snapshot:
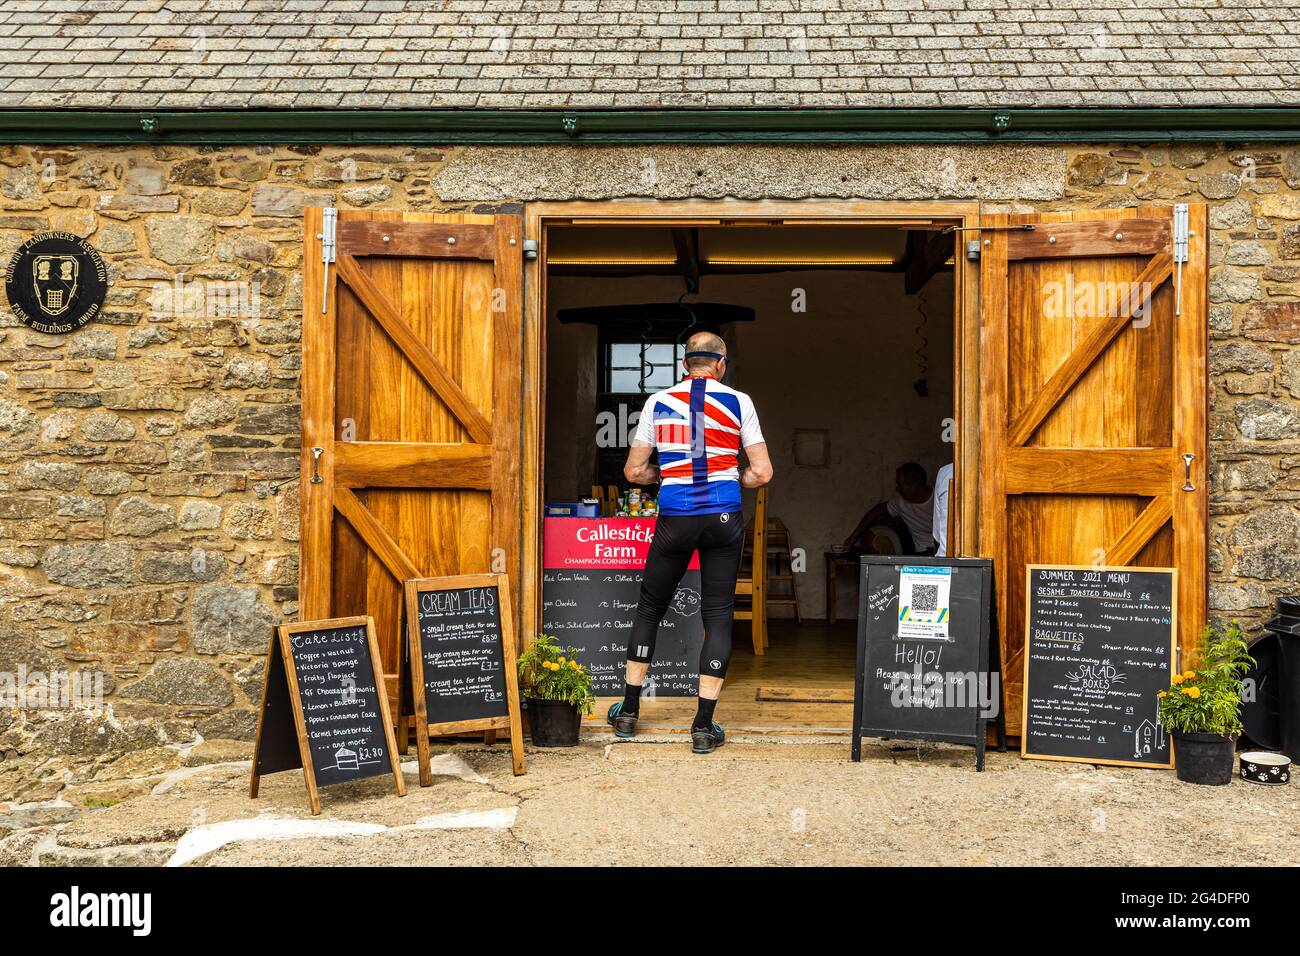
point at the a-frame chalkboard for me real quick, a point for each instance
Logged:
(324, 708)
(462, 663)
(1101, 643)
(927, 666)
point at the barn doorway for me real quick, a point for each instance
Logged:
(848, 331)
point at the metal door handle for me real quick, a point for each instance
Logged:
(1187, 472)
(316, 479)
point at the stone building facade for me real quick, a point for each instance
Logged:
(148, 507)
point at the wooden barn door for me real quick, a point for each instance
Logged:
(1093, 378)
(411, 391)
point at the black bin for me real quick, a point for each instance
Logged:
(1287, 628)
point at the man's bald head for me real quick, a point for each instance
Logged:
(704, 342)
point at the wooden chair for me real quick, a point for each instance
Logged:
(751, 583)
(779, 551)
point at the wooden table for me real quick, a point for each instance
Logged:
(834, 561)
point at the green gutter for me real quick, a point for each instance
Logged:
(449, 127)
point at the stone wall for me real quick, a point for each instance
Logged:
(143, 534)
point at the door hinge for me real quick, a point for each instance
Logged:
(1181, 237)
(328, 248)
(530, 249)
(973, 250)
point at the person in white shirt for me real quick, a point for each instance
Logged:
(911, 510)
(942, 484)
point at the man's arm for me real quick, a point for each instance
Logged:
(872, 517)
(758, 471)
(638, 469)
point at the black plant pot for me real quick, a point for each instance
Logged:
(555, 723)
(1203, 758)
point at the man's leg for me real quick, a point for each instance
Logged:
(719, 562)
(670, 553)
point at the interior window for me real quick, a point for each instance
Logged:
(634, 368)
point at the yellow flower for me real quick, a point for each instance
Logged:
(1178, 679)
(1194, 692)
(561, 658)
(1163, 694)
(1189, 674)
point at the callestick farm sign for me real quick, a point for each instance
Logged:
(56, 282)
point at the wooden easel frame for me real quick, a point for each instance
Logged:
(1174, 664)
(280, 636)
(511, 721)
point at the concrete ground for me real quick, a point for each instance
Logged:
(761, 800)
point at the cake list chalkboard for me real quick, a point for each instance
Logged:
(1099, 647)
(461, 653)
(591, 582)
(324, 708)
(924, 666)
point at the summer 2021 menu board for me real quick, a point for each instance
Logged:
(591, 582)
(1099, 647)
(323, 708)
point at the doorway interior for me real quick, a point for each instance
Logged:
(848, 328)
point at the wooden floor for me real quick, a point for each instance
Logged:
(812, 657)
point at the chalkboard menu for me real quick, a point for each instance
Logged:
(924, 666)
(461, 653)
(1099, 645)
(324, 708)
(591, 582)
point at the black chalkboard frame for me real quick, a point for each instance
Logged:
(281, 679)
(988, 657)
(1024, 702)
(510, 721)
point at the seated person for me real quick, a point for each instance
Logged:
(910, 513)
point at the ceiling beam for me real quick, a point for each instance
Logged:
(927, 253)
(687, 244)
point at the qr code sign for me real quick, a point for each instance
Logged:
(925, 597)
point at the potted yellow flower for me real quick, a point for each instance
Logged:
(556, 691)
(1201, 710)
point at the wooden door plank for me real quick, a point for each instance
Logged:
(1092, 346)
(413, 465)
(1091, 237)
(1191, 508)
(375, 535)
(416, 351)
(1088, 471)
(1144, 527)
(507, 349)
(315, 498)
(416, 240)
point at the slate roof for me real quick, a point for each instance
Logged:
(613, 54)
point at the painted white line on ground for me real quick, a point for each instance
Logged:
(502, 818)
(200, 840)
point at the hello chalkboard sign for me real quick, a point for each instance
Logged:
(324, 708)
(461, 651)
(1099, 646)
(925, 670)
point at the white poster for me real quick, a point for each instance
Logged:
(923, 602)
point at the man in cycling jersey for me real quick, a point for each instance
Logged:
(698, 427)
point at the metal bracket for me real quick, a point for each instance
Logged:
(569, 123)
(1188, 458)
(530, 249)
(328, 248)
(1181, 237)
(316, 452)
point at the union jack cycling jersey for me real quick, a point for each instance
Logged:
(698, 427)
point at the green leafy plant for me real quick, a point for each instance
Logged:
(1206, 698)
(549, 672)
